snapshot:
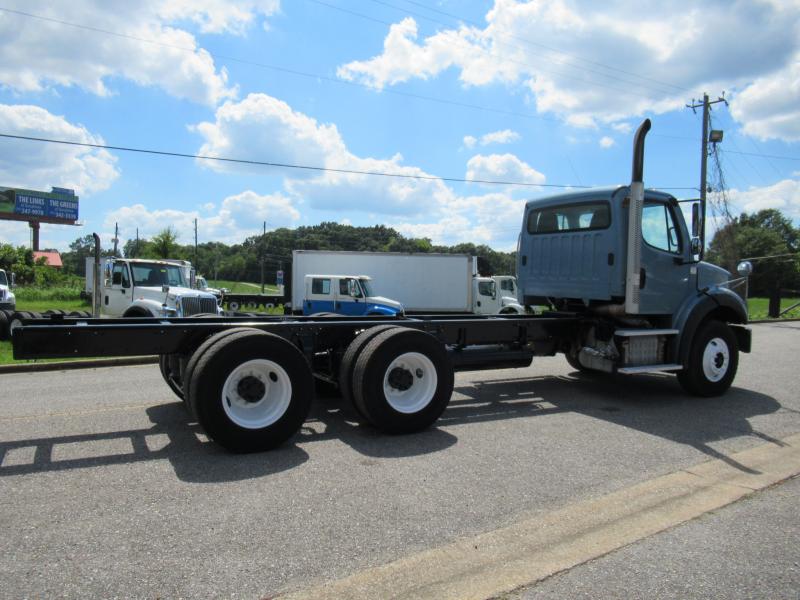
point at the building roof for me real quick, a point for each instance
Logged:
(52, 259)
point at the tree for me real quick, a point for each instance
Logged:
(164, 244)
(767, 233)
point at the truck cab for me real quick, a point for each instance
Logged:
(150, 288)
(7, 299)
(495, 295)
(345, 295)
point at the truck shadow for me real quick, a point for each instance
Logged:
(653, 404)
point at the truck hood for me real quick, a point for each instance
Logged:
(709, 275)
(385, 302)
(155, 293)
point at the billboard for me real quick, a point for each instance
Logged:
(59, 205)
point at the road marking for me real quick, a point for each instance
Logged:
(502, 560)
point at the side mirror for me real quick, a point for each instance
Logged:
(165, 288)
(193, 279)
(13, 281)
(745, 268)
(695, 245)
(695, 222)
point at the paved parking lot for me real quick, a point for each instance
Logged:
(109, 490)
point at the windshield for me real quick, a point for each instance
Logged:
(3, 280)
(155, 275)
(366, 284)
(201, 283)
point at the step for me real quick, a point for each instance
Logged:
(649, 369)
(641, 332)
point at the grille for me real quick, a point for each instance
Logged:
(193, 305)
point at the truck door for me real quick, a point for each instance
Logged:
(485, 296)
(119, 295)
(664, 252)
(350, 300)
(319, 296)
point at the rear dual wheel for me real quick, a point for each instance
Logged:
(402, 380)
(250, 390)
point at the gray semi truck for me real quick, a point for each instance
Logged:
(618, 269)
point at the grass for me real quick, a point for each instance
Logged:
(758, 307)
(243, 287)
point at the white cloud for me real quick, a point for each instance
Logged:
(39, 54)
(505, 136)
(505, 167)
(783, 195)
(239, 216)
(606, 142)
(264, 128)
(38, 166)
(559, 49)
(770, 106)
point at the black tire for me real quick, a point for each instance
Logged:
(198, 354)
(226, 382)
(165, 366)
(411, 358)
(573, 361)
(712, 361)
(4, 331)
(350, 357)
(233, 305)
(16, 320)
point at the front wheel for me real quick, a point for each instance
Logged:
(712, 361)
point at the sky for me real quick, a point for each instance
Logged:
(436, 95)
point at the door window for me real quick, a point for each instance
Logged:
(486, 288)
(321, 286)
(658, 227)
(120, 275)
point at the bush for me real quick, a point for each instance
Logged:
(47, 294)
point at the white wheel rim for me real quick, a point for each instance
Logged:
(256, 393)
(409, 383)
(716, 359)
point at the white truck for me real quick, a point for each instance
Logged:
(134, 287)
(421, 282)
(7, 299)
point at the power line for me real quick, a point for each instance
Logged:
(286, 165)
(218, 56)
(304, 167)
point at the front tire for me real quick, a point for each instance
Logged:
(251, 391)
(712, 362)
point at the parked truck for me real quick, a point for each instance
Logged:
(424, 283)
(618, 267)
(135, 287)
(8, 300)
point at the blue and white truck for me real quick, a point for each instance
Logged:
(423, 283)
(618, 268)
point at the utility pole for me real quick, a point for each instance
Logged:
(263, 250)
(706, 106)
(137, 243)
(116, 237)
(196, 266)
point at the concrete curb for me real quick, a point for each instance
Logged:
(78, 364)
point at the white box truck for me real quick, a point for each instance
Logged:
(421, 282)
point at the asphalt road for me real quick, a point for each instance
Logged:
(108, 490)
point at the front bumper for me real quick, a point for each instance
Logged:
(8, 306)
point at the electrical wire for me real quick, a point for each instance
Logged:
(305, 167)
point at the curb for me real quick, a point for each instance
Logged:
(78, 364)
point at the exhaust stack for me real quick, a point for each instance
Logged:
(633, 274)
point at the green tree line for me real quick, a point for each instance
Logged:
(242, 262)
